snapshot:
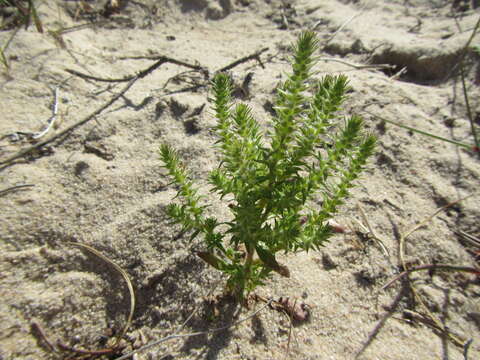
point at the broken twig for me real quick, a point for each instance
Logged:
(255, 55)
(13, 188)
(160, 61)
(359, 66)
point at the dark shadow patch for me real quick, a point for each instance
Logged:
(389, 312)
(193, 5)
(365, 279)
(384, 160)
(258, 331)
(328, 262)
(228, 311)
(419, 66)
(169, 290)
(191, 126)
(268, 107)
(178, 108)
(475, 318)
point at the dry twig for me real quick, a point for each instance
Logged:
(131, 79)
(254, 56)
(160, 61)
(359, 66)
(38, 331)
(13, 188)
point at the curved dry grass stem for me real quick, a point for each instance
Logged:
(127, 280)
(432, 267)
(373, 233)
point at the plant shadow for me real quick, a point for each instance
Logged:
(222, 313)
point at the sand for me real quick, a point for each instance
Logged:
(102, 183)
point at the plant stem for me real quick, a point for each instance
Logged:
(247, 268)
(467, 104)
(466, 146)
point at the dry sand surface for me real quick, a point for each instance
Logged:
(101, 184)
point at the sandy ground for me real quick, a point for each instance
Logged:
(101, 184)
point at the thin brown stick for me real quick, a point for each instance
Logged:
(70, 29)
(13, 188)
(290, 319)
(255, 55)
(160, 61)
(359, 66)
(40, 333)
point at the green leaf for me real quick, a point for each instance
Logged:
(194, 235)
(269, 260)
(211, 259)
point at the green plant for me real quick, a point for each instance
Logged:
(270, 186)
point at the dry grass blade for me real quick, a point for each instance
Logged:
(458, 143)
(469, 109)
(426, 321)
(359, 66)
(431, 267)
(348, 21)
(469, 238)
(424, 222)
(3, 57)
(32, 12)
(51, 120)
(372, 232)
(127, 280)
(13, 188)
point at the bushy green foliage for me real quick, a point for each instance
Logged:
(269, 181)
